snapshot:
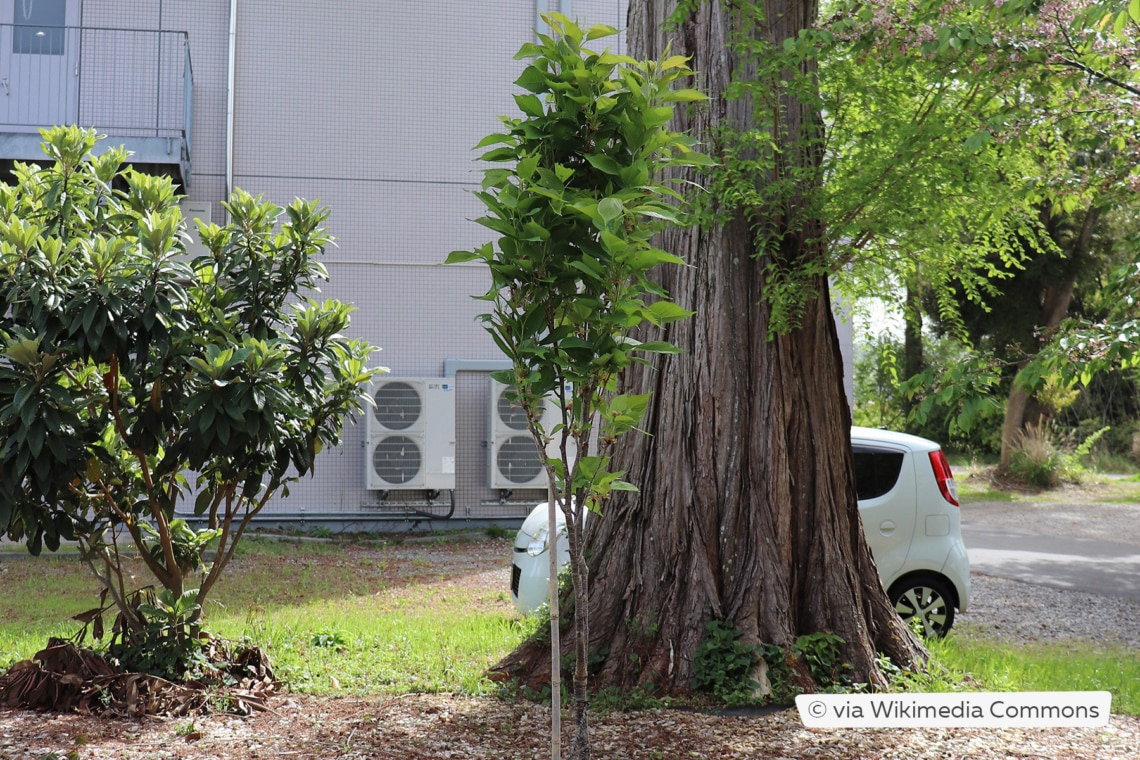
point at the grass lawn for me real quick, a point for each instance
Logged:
(378, 618)
(975, 484)
(367, 618)
(1041, 667)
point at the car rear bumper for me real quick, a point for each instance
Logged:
(957, 570)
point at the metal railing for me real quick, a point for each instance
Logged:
(122, 82)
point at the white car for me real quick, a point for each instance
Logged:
(909, 505)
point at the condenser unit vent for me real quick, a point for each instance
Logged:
(411, 434)
(515, 462)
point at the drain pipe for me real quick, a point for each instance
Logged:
(230, 77)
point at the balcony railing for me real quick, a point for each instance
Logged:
(126, 83)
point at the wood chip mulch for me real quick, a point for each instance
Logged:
(443, 726)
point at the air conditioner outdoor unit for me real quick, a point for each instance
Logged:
(410, 434)
(514, 458)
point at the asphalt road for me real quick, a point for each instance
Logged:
(1066, 562)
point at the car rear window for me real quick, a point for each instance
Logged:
(876, 471)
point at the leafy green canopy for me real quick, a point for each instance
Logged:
(964, 138)
(126, 366)
(952, 125)
(1085, 347)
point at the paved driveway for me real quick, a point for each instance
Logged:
(1077, 563)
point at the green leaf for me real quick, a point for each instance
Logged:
(665, 216)
(623, 485)
(667, 311)
(459, 257)
(613, 244)
(599, 30)
(658, 117)
(658, 347)
(693, 158)
(499, 154)
(526, 167)
(685, 96)
(588, 267)
(22, 396)
(978, 140)
(202, 502)
(24, 352)
(35, 440)
(533, 79)
(610, 209)
(529, 104)
(535, 232)
(634, 175)
(495, 139)
(604, 163)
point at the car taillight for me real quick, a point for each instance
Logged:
(944, 477)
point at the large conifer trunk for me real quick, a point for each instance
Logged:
(746, 511)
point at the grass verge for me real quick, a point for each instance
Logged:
(376, 620)
(334, 618)
(983, 664)
(976, 484)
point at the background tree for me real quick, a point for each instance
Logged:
(575, 212)
(1084, 348)
(129, 369)
(1035, 297)
(1027, 105)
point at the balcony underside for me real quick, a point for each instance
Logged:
(154, 155)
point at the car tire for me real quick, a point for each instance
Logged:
(928, 598)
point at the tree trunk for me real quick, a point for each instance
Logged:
(747, 511)
(1021, 409)
(914, 362)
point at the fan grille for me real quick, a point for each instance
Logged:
(518, 460)
(396, 459)
(398, 405)
(511, 413)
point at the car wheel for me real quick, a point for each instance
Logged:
(927, 600)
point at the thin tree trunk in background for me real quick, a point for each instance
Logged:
(1021, 409)
(555, 630)
(914, 362)
(747, 510)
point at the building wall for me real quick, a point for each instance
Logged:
(206, 23)
(374, 107)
